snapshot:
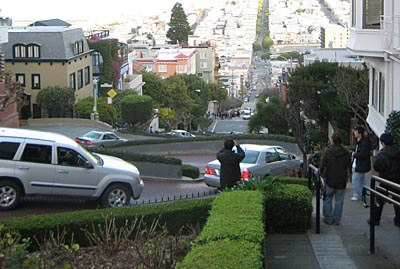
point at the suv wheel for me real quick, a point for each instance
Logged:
(116, 195)
(10, 195)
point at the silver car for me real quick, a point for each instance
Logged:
(49, 164)
(99, 139)
(260, 161)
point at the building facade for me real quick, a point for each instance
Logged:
(375, 34)
(47, 56)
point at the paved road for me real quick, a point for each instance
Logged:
(229, 125)
(153, 190)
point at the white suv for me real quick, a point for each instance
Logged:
(42, 163)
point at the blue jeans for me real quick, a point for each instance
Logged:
(333, 215)
(358, 181)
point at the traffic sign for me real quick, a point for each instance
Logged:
(112, 93)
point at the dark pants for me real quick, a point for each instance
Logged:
(381, 202)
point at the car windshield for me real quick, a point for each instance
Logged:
(94, 135)
(251, 156)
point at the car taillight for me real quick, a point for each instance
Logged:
(246, 174)
(77, 140)
(209, 171)
(88, 142)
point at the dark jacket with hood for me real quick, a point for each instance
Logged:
(387, 163)
(362, 156)
(335, 164)
(230, 169)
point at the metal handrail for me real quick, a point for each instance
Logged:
(315, 179)
(384, 193)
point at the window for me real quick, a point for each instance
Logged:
(97, 59)
(72, 84)
(8, 150)
(378, 91)
(80, 48)
(35, 81)
(162, 68)
(69, 157)
(271, 156)
(87, 75)
(203, 64)
(33, 51)
(19, 51)
(80, 79)
(353, 13)
(251, 156)
(373, 9)
(110, 137)
(20, 78)
(181, 69)
(283, 155)
(36, 153)
(203, 55)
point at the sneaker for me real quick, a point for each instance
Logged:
(396, 223)
(355, 198)
(376, 222)
(327, 222)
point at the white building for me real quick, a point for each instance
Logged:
(375, 34)
(334, 36)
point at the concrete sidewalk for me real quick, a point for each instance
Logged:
(338, 246)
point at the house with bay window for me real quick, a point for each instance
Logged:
(375, 34)
(48, 56)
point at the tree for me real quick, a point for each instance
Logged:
(12, 93)
(57, 101)
(393, 126)
(179, 28)
(265, 56)
(136, 109)
(256, 46)
(272, 116)
(117, 101)
(107, 113)
(155, 87)
(267, 42)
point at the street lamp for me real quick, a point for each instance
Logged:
(95, 115)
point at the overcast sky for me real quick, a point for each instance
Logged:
(88, 9)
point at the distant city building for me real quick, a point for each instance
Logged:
(175, 61)
(52, 22)
(334, 36)
(5, 21)
(341, 56)
(374, 34)
(48, 56)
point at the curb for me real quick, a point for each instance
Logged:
(165, 179)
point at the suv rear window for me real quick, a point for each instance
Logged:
(8, 150)
(37, 153)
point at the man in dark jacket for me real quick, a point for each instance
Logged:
(335, 164)
(230, 169)
(361, 162)
(387, 164)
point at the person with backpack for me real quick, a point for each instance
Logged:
(361, 162)
(335, 166)
(387, 164)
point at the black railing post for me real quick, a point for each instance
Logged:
(372, 219)
(310, 175)
(318, 200)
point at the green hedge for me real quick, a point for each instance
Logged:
(282, 138)
(236, 215)
(288, 180)
(175, 215)
(227, 254)
(288, 209)
(233, 236)
(190, 171)
(137, 157)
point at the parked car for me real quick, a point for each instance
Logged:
(246, 115)
(181, 133)
(99, 139)
(48, 164)
(260, 161)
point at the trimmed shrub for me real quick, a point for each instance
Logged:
(174, 215)
(236, 215)
(288, 180)
(190, 171)
(137, 157)
(288, 209)
(227, 254)
(136, 108)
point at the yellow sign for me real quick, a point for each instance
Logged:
(112, 93)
